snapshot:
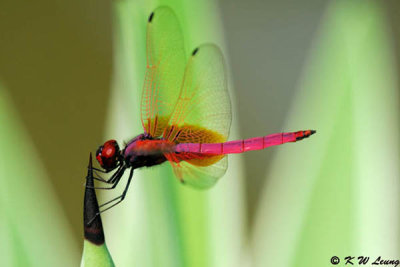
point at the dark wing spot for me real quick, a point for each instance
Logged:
(151, 16)
(195, 51)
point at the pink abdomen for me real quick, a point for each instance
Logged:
(240, 146)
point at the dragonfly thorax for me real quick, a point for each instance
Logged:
(108, 155)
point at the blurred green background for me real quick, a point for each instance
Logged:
(71, 74)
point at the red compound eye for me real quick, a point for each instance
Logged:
(109, 149)
(107, 154)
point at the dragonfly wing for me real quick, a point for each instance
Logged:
(203, 111)
(201, 177)
(202, 115)
(164, 72)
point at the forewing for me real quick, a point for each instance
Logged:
(203, 111)
(164, 72)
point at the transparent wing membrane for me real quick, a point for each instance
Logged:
(203, 110)
(201, 177)
(202, 115)
(164, 70)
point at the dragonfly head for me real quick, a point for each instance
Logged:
(108, 155)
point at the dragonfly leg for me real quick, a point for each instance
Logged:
(114, 184)
(99, 178)
(103, 171)
(108, 181)
(114, 179)
(119, 198)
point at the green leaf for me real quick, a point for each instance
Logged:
(33, 228)
(96, 255)
(336, 193)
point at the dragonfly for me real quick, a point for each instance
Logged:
(185, 113)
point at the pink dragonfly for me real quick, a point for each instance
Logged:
(185, 113)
